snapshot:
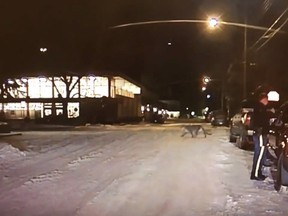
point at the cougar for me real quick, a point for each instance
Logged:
(193, 130)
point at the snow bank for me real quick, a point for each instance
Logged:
(8, 152)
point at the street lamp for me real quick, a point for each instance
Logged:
(43, 49)
(213, 23)
(207, 80)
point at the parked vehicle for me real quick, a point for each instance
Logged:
(218, 118)
(240, 129)
(158, 118)
(278, 141)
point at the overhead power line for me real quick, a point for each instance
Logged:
(270, 32)
(273, 34)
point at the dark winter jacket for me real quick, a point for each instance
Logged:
(260, 119)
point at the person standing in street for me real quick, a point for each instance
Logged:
(260, 124)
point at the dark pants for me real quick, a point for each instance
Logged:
(260, 148)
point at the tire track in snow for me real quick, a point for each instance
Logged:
(101, 188)
(43, 164)
(94, 168)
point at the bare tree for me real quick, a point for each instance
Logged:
(70, 85)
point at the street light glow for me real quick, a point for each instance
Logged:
(206, 79)
(43, 49)
(213, 22)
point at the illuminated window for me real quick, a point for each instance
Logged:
(40, 87)
(15, 106)
(101, 87)
(126, 88)
(74, 88)
(34, 89)
(112, 90)
(35, 106)
(47, 112)
(45, 88)
(90, 86)
(73, 110)
(59, 88)
(87, 86)
(20, 91)
(93, 86)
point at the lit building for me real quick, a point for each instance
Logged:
(88, 98)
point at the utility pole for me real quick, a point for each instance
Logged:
(222, 94)
(245, 62)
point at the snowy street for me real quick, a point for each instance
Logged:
(131, 170)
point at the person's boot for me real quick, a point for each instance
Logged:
(258, 178)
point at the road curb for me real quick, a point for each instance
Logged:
(10, 134)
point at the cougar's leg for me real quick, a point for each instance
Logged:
(204, 132)
(184, 132)
(197, 131)
(192, 133)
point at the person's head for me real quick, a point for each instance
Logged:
(263, 98)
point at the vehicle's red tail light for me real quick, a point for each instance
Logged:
(246, 119)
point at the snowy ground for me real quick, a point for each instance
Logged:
(131, 170)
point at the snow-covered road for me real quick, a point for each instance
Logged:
(132, 170)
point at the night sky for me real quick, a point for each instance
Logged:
(168, 58)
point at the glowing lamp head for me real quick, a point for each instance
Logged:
(213, 22)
